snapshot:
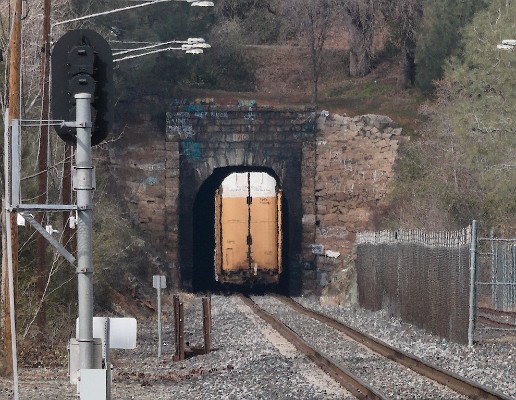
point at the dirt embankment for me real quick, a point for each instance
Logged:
(284, 77)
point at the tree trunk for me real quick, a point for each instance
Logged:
(14, 113)
(361, 49)
(410, 69)
(41, 247)
(314, 91)
(315, 74)
(3, 291)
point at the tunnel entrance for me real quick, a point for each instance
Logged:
(247, 249)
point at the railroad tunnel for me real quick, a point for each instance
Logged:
(172, 157)
(176, 154)
(205, 237)
(213, 143)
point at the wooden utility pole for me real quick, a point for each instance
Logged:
(4, 290)
(43, 163)
(14, 113)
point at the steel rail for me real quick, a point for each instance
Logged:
(455, 382)
(488, 320)
(348, 380)
(493, 311)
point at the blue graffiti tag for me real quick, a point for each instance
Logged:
(191, 149)
(151, 181)
(246, 103)
(194, 108)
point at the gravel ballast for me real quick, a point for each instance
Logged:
(490, 362)
(251, 361)
(390, 378)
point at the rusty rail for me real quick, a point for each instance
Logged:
(489, 321)
(505, 320)
(453, 381)
(348, 380)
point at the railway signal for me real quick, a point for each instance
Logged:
(82, 62)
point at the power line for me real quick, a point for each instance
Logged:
(148, 3)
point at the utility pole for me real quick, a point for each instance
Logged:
(14, 113)
(43, 162)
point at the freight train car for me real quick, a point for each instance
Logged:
(248, 235)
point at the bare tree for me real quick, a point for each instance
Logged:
(363, 17)
(231, 9)
(405, 18)
(313, 21)
(31, 92)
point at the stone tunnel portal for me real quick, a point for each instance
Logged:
(333, 171)
(214, 142)
(205, 241)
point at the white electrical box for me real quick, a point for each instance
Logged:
(93, 384)
(122, 332)
(73, 358)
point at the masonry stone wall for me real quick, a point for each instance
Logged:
(354, 165)
(334, 172)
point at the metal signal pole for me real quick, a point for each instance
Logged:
(84, 189)
(67, 197)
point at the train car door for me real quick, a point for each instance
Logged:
(234, 223)
(263, 219)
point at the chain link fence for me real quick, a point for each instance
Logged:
(424, 278)
(496, 284)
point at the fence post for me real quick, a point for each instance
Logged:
(159, 282)
(206, 308)
(176, 326)
(159, 321)
(472, 281)
(179, 329)
(181, 335)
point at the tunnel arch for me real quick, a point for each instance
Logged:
(215, 141)
(203, 213)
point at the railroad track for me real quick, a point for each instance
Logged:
(489, 321)
(357, 375)
(505, 320)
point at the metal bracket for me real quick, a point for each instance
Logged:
(44, 207)
(84, 270)
(76, 185)
(58, 246)
(75, 124)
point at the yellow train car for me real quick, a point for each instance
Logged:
(248, 235)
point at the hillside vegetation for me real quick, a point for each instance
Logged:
(463, 165)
